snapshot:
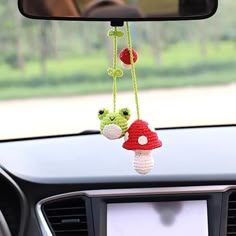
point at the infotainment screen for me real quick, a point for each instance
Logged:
(182, 218)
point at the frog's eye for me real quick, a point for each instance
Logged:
(102, 113)
(125, 112)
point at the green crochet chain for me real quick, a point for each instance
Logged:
(113, 125)
(139, 136)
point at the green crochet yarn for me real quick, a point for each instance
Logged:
(133, 70)
(114, 124)
(115, 72)
(115, 32)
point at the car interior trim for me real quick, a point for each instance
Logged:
(125, 193)
(23, 202)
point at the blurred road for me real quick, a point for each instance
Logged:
(162, 108)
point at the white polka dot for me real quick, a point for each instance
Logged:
(126, 136)
(151, 128)
(142, 140)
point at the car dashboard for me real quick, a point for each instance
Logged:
(85, 185)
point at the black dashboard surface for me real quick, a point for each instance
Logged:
(47, 167)
(196, 154)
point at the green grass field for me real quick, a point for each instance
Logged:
(183, 65)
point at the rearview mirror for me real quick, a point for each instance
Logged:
(121, 10)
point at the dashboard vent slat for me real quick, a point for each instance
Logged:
(67, 217)
(231, 220)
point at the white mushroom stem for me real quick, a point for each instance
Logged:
(126, 66)
(143, 161)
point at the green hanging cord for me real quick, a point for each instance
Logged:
(114, 72)
(133, 72)
(114, 69)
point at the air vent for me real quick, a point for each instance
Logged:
(231, 226)
(67, 217)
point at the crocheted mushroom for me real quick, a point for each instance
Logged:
(125, 57)
(142, 139)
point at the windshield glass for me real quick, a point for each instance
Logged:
(54, 74)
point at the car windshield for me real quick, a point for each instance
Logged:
(54, 74)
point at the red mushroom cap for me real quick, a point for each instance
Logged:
(140, 136)
(125, 56)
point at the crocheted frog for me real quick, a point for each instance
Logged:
(114, 125)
